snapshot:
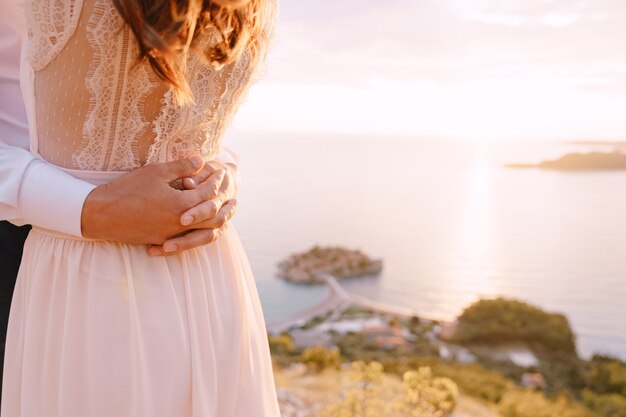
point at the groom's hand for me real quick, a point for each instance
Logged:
(141, 207)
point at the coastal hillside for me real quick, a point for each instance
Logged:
(500, 358)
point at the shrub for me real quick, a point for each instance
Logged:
(562, 372)
(318, 358)
(422, 395)
(281, 344)
(607, 405)
(501, 320)
(528, 403)
(473, 380)
(476, 381)
(426, 394)
(606, 375)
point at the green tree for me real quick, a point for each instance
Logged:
(502, 320)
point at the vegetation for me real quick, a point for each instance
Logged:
(500, 320)
(423, 395)
(605, 386)
(573, 388)
(475, 380)
(318, 358)
(606, 375)
(562, 372)
(527, 403)
(355, 311)
(607, 405)
(281, 344)
(358, 346)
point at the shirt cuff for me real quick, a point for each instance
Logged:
(52, 199)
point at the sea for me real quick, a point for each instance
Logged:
(450, 222)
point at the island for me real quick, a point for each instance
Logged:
(309, 267)
(581, 162)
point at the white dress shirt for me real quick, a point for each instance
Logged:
(32, 191)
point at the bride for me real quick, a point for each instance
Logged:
(100, 328)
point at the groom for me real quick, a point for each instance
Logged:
(33, 192)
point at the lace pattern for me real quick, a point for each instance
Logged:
(50, 25)
(185, 131)
(117, 85)
(127, 115)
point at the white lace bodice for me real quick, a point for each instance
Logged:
(96, 108)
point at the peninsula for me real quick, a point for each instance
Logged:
(581, 162)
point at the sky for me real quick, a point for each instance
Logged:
(477, 70)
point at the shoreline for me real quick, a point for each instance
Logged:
(336, 298)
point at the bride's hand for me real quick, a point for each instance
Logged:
(208, 220)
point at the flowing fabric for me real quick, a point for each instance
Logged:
(101, 329)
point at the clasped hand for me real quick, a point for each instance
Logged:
(143, 207)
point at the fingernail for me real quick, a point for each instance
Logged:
(169, 247)
(197, 161)
(193, 182)
(186, 220)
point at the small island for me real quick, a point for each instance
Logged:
(581, 162)
(307, 267)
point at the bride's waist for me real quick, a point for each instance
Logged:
(54, 233)
(93, 177)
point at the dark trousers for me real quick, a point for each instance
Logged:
(11, 246)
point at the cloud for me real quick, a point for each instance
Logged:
(353, 41)
(423, 49)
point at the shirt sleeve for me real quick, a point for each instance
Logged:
(33, 192)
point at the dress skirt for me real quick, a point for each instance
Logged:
(101, 329)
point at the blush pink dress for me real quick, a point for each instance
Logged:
(100, 329)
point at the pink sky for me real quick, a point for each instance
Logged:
(467, 69)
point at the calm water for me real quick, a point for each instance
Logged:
(449, 222)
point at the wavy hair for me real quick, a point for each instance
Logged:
(167, 29)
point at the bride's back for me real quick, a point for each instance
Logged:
(96, 107)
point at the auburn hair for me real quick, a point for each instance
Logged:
(166, 30)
